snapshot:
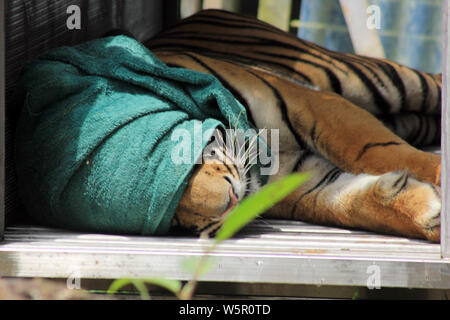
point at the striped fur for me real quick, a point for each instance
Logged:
(354, 120)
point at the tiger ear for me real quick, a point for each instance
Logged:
(389, 185)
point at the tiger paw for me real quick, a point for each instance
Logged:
(410, 207)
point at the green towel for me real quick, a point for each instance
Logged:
(93, 146)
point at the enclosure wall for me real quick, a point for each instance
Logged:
(445, 222)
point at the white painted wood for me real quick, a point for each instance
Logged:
(267, 251)
(445, 181)
(365, 38)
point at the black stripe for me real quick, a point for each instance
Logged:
(373, 145)
(380, 101)
(424, 89)
(174, 65)
(283, 107)
(229, 169)
(405, 182)
(335, 176)
(398, 181)
(368, 67)
(397, 81)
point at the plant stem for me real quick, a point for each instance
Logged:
(189, 288)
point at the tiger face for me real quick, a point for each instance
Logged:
(214, 189)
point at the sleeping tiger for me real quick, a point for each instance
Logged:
(355, 121)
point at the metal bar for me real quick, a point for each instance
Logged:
(2, 117)
(285, 252)
(445, 181)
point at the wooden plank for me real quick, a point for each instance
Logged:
(306, 254)
(2, 118)
(366, 41)
(445, 217)
(275, 12)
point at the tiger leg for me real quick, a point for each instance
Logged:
(393, 203)
(350, 137)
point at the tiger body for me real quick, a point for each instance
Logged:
(355, 121)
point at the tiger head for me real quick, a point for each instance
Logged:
(214, 189)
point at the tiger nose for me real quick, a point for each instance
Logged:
(233, 197)
(235, 188)
(233, 201)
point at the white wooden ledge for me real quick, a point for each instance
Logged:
(267, 251)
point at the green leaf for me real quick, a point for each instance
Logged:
(142, 288)
(117, 284)
(199, 265)
(173, 286)
(259, 202)
(138, 284)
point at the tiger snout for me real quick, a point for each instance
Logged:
(212, 192)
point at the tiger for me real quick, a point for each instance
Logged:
(355, 121)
